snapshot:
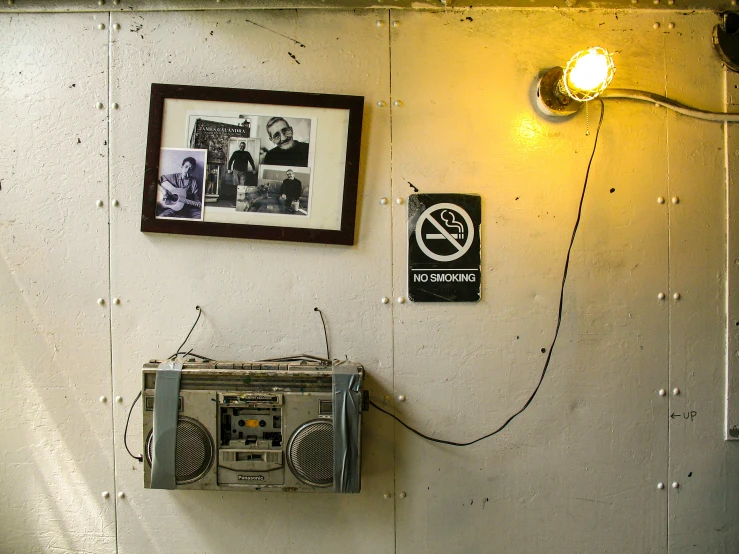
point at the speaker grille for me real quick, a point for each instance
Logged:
(310, 453)
(194, 450)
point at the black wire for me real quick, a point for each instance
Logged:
(559, 318)
(177, 353)
(190, 333)
(125, 432)
(325, 334)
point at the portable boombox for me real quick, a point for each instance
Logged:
(272, 425)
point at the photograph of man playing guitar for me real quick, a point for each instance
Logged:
(180, 195)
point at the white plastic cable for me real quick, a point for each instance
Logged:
(668, 103)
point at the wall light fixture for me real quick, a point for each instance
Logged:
(562, 91)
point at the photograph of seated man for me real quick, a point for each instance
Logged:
(180, 194)
(283, 190)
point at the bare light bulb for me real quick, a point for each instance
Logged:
(588, 73)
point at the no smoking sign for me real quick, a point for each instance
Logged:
(444, 247)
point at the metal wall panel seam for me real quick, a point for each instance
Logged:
(392, 268)
(110, 281)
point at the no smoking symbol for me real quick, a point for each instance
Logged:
(444, 232)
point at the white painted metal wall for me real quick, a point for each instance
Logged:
(577, 472)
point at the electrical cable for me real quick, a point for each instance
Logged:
(325, 334)
(559, 318)
(177, 353)
(630, 94)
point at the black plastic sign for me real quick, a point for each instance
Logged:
(444, 247)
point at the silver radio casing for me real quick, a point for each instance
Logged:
(265, 426)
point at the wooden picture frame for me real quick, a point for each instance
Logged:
(285, 164)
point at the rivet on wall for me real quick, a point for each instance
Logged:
(116, 301)
(381, 104)
(387, 495)
(675, 200)
(116, 26)
(99, 203)
(401, 398)
(396, 23)
(675, 391)
(385, 300)
(121, 494)
(660, 200)
(402, 494)
(676, 296)
(101, 2)
(101, 301)
(114, 105)
(398, 201)
(656, 25)
(670, 25)
(116, 203)
(119, 399)
(662, 392)
(103, 399)
(675, 485)
(660, 486)
(380, 23)
(99, 106)
(397, 103)
(383, 201)
(661, 296)
(101, 26)
(106, 494)
(401, 300)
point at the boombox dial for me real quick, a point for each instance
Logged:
(310, 453)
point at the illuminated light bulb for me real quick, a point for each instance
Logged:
(561, 91)
(588, 74)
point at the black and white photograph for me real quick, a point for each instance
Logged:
(285, 140)
(243, 161)
(180, 191)
(211, 182)
(281, 190)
